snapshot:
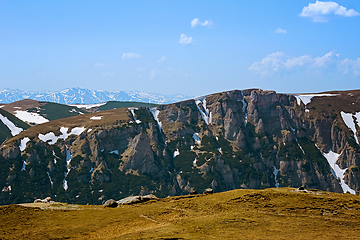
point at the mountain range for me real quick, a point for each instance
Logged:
(249, 138)
(86, 96)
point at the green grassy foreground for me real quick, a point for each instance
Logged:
(239, 214)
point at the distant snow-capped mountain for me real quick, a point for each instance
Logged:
(86, 96)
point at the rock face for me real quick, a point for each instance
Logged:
(110, 203)
(237, 139)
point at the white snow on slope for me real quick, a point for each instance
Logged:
(205, 115)
(68, 160)
(51, 182)
(65, 185)
(23, 143)
(244, 107)
(306, 98)
(155, 112)
(176, 153)
(51, 139)
(115, 151)
(350, 123)
(87, 106)
(30, 117)
(132, 110)
(96, 118)
(10, 125)
(276, 171)
(196, 138)
(23, 166)
(53, 153)
(220, 151)
(332, 157)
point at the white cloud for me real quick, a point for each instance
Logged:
(162, 59)
(184, 40)
(322, 61)
(109, 74)
(280, 30)
(99, 65)
(349, 65)
(154, 73)
(195, 22)
(318, 10)
(279, 62)
(130, 55)
(41, 75)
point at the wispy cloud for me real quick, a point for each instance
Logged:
(196, 22)
(318, 10)
(162, 59)
(109, 74)
(278, 62)
(41, 75)
(280, 30)
(349, 65)
(154, 73)
(184, 40)
(130, 55)
(99, 65)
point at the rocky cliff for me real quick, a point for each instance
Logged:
(236, 139)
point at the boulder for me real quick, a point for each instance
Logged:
(148, 197)
(111, 203)
(48, 199)
(136, 199)
(129, 200)
(38, 201)
(193, 192)
(208, 191)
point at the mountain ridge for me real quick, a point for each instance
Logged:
(237, 139)
(86, 96)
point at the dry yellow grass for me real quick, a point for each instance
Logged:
(238, 214)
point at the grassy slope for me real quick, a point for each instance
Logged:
(115, 104)
(237, 214)
(53, 111)
(4, 130)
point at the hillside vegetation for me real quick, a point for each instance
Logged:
(280, 213)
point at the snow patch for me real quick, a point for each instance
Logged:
(207, 116)
(176, 153)
(30, 117)
(350, 123)
(89, 130)
(23, 143)
(87, 106)
(96, 118)
(306, 98)
(155, 112)
(220, 151)
(332, 157)
(68, 160)
(194, 162)
(300, 146)
(244, 107)
(65, 185)
(23, 166)
(115, 151)
(55, 161)
(51, 182)
(196, 138)
(276, 171)
(51, 139)
(132, 110)
(10, 125)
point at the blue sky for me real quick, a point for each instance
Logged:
(189, 47)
